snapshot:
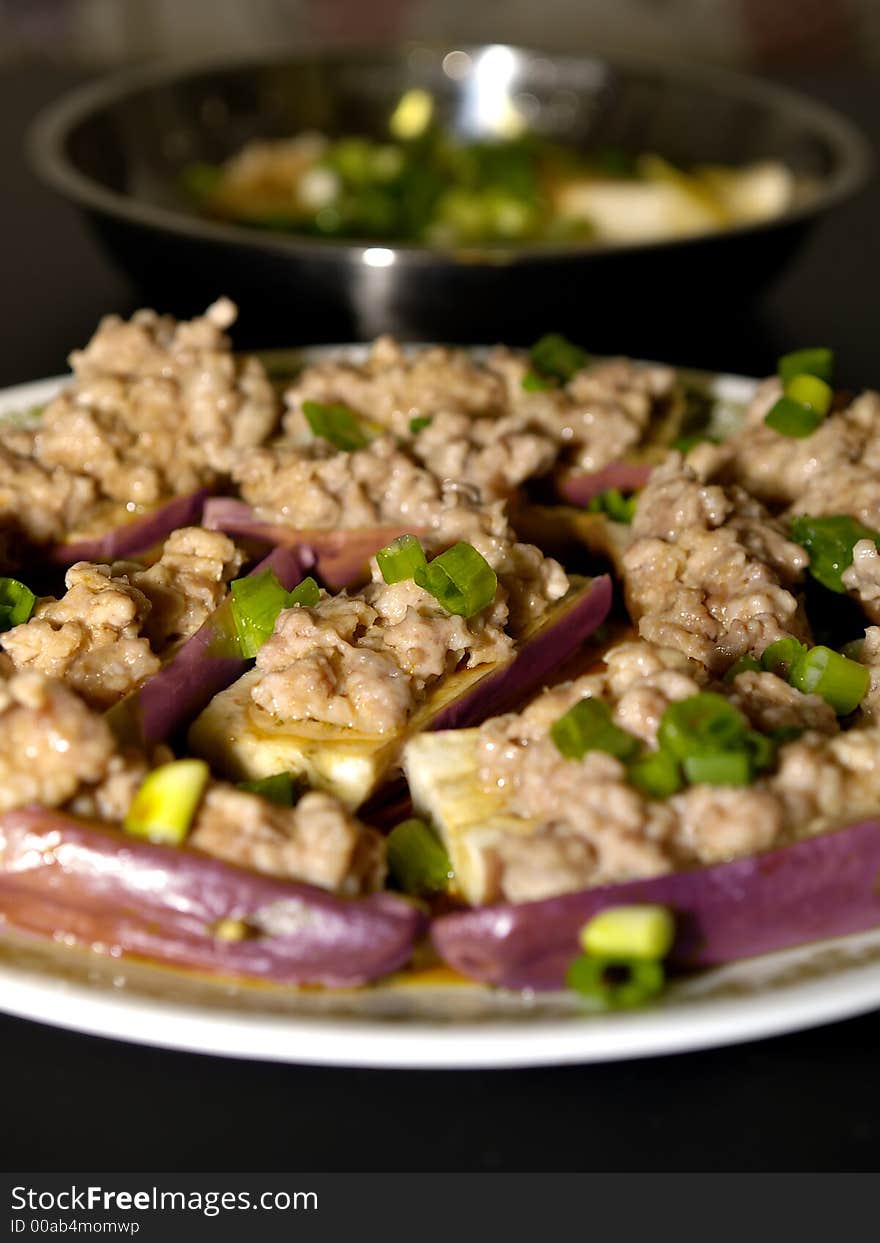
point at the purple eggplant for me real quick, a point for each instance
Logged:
(198, 671)
(68, 879)
(135, 537)
(581, 488)
(340, 558)
(556, 639)
(824, 886)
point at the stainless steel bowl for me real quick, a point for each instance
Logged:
(117, 149)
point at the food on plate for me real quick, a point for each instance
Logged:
(542, 666)
(425, 186)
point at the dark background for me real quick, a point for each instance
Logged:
(810, 1101)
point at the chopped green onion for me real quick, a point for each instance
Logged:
(703, 724)
(17, 603)
(745, 664)
(165, 803)
(781, 655)
(810, 391)
(619, 508)
(587, 726)
(830, 542)
(556, 356)
(841, 682)
(307, 594)
(461, 579)
(684, 444)
(419, 424)
(643, 932)
(257, 599)
(611, 983)
(723, 768)
(817, 361)
(793, 419)
(762, 750)
(337, 424)
(656, 774)
(534, 383)
(400, 559)
(786, 733)
(281, 788)
(417, 859)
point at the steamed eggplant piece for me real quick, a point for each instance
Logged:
(135, 537)
(340, 558)
(579, 488)
(64, 878)
(197, 671)
(825, 886)
(243, 742)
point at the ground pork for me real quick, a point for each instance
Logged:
(494, 455)
(157, 407)
(317, 841)
(832, 471)
(583, 824)
(708, 571)
(313, 488)
(51, 743)
(186, 584)
(362, 662)
(393, 386)
(38, 504)
(91, 638)
(602, 413)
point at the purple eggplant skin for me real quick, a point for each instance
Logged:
(137, 536)
(80, 883)
(825, 886)
(579, 489)
(340, 557)
(175, 696)
(548, 649)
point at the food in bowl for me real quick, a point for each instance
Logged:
(534, 664)
(429, 187)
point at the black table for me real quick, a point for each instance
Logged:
(809, 1101)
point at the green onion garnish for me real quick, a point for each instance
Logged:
(704, 724)
(721, 768)
(745, 664)
(656, 773)
(166, 801)
(587, 726)
(337, 424)
(816, 361)
(534, 383)
(614, 504)
(461, 579)
(792, 418)
(400, 559)
(17, 603)
(761, 750)
(611, 983)
(781, 655)
(280, 788)
(841, 682)
(257, 599)
(809, 390)
(644, 932)
(830, 542)
(419, 424)
(557, 357)
(307, 594)
(417, 859)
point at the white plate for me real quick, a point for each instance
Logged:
(423, 1024)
